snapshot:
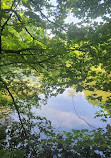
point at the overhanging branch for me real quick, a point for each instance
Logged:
(2, 27)
(41, 50)
(52, 21)
(19, 18)
(21, 50)
(15, 105)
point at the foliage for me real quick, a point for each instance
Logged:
(35, 42)
(12, 154)
(78, 143)
(68, 57)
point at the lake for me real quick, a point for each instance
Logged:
(71, 110)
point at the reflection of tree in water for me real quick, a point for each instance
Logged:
(94, 96)
(72, 93)
(101, 99)
(5, 115)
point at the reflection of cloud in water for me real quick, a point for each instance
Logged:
(69, 120)
(61, 112)
(61, 118)
(69, 92)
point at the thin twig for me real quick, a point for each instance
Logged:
(81, 117)
(52, 21)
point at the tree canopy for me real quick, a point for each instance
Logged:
(36, 38)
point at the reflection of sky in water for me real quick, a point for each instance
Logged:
(61, 112)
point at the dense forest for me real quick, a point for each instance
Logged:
(36, 39)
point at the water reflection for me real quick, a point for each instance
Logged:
(4, 115)
(61, 111)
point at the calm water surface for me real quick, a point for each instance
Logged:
(65, 110)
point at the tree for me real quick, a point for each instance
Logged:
(68, 58)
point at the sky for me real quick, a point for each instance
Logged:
(70, 18)
(73, 19)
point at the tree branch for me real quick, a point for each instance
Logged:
(15, 105)
(2, 27)
(28, 63)
(23, 23)
(22, 50)
(52, 21)
(18, 16)
(50, 6)
(29, 49)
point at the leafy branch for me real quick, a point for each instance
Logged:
(2, 27)
(20, 20)
(15, 105)
(22, 50)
